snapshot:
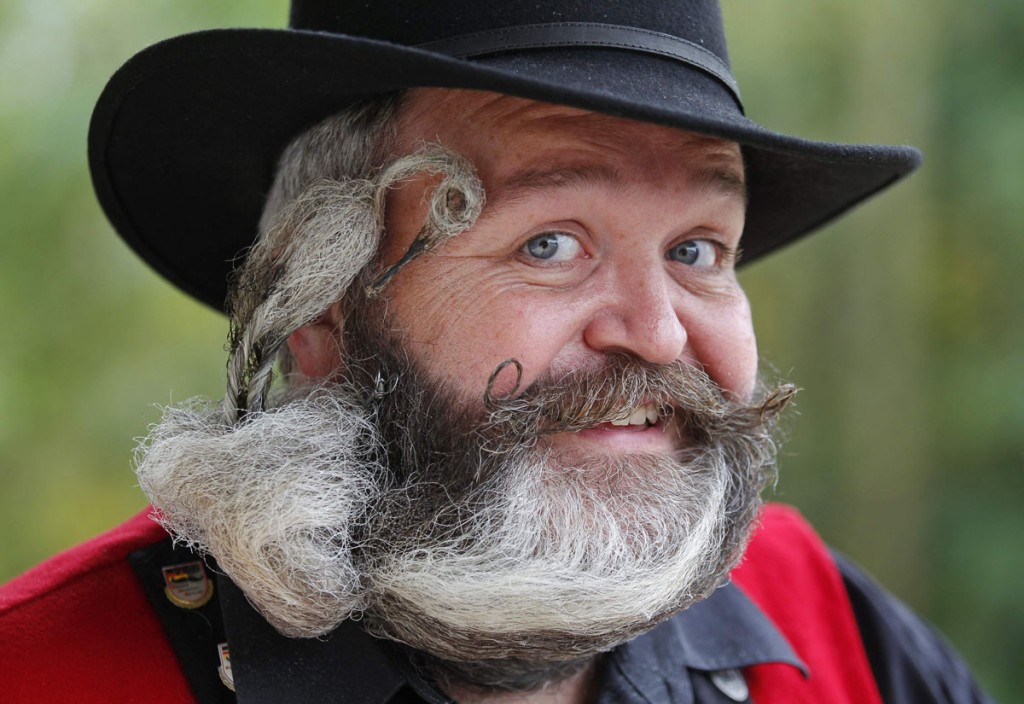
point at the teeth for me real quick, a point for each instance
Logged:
(641, 416)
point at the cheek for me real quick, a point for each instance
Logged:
(729, 350)
(462, 332)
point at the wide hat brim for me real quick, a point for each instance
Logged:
(185, 137)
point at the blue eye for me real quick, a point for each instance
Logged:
(698, 253)
(553, 247)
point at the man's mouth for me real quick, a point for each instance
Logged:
(644, 428)
(645, 415)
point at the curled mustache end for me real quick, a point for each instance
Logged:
(776, 402)
(492, 402)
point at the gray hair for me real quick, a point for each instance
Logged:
(329, 164)
(322, 228)
(350, 144)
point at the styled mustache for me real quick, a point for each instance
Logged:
(585, 398)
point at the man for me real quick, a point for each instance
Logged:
(519, 444)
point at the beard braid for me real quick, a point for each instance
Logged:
(460, 532)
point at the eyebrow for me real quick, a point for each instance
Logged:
(547, 177)
(724, 180)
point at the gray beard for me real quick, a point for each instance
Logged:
(458, 531)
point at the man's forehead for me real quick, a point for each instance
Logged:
(425, 111)
(527, 145)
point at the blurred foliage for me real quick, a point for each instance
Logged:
(902, 323)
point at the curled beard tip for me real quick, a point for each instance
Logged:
(280, 510)
(455, 203)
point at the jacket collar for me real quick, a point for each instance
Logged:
(722, 632)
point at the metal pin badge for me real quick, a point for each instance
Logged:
(224, 669)
(187, 585)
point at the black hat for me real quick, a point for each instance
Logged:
(185, 137)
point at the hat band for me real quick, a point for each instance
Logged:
(586, 34)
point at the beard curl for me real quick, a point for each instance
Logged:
(279, 500)
(457, 529)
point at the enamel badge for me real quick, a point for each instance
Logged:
(187, 585)
(225, 666)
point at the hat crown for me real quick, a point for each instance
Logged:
(413, 22)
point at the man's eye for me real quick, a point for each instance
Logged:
(553, 247)
(697, 253)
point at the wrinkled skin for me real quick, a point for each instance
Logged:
(600, 235)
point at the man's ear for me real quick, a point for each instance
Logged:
(317, 347)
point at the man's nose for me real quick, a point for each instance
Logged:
(639, 317)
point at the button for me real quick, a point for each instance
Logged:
(731, 683)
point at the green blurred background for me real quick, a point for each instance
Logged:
(902, 323)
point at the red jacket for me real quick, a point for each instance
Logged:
(78, 628)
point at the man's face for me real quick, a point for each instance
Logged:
(603, 264)
(599, 235)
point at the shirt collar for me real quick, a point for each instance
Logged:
(724, 631)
